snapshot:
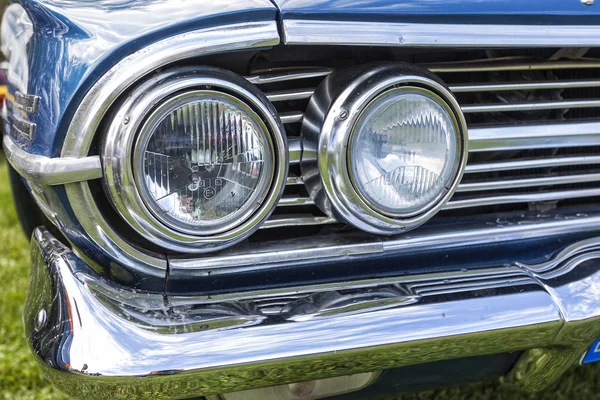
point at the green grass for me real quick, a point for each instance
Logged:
(20, 377)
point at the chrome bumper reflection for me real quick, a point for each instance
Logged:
(94, 339)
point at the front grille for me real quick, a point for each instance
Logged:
(534, 134)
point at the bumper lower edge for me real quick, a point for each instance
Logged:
(94, 339)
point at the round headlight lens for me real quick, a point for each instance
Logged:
(404, 151)
(204, 162)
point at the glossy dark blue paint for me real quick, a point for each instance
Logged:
(571, 12)
(75, 42)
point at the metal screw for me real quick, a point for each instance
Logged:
(343, 114)
(40, 321)
(587, 2)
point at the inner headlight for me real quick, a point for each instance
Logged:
(384, 147)
(195, 159)
(403, 151)
(204, 162)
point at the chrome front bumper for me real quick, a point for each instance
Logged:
(94, 339)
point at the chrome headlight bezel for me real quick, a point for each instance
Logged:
(120, 155)
(328, 126)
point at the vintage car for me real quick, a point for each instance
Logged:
(303, 199)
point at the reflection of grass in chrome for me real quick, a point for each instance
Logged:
(20, 378)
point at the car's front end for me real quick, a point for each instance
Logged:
(306, 199)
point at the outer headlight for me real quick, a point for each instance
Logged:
(203, 162)
(197, 162)
(384, 147)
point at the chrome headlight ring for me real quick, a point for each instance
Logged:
(128, 131)
(327, 129)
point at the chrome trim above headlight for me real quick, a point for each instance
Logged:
(325, 32)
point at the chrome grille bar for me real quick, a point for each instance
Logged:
(534, 137)
(534, 163)
(550, 105)
(530, 182)
(522, 198)
(496, 87)
(291, 75)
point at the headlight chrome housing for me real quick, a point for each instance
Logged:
(196, 162)
(384, 148)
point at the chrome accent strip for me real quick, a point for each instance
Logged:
(534, 136)
(550, 105)
(527, 182)
(533, 163)
(228, 345)
(279, 221)
(294, 180)
(291, 117)
(51, 171)
(522, 198)
(110, 86)
(24, 128)
(495, 87)
(313, 32)
(265, 255)
(287, 201)
(510, 66)
(293, 94)
(295, 149)
(26, 102)
(289, 75)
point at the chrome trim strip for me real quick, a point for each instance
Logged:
(496, 87)
(534, 136)
(313, 32)
(487, 66)
(291, 117)
(24, 128)
(272, 77)
(293, 94)
(265, 255)
(533, 163)
(26, 102)
(51, 171)
(294, 180)
(528, 182)
(550, 105)
(229, 345)
(279, 221)
(287, 201)
(295, 149)
(522, 198)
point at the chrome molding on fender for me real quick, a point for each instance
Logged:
(314, 32)
(549, 310)
(51, 171)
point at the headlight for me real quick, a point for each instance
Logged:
(403, 151)
(204, 162)
(197, 162)
(384, 147)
